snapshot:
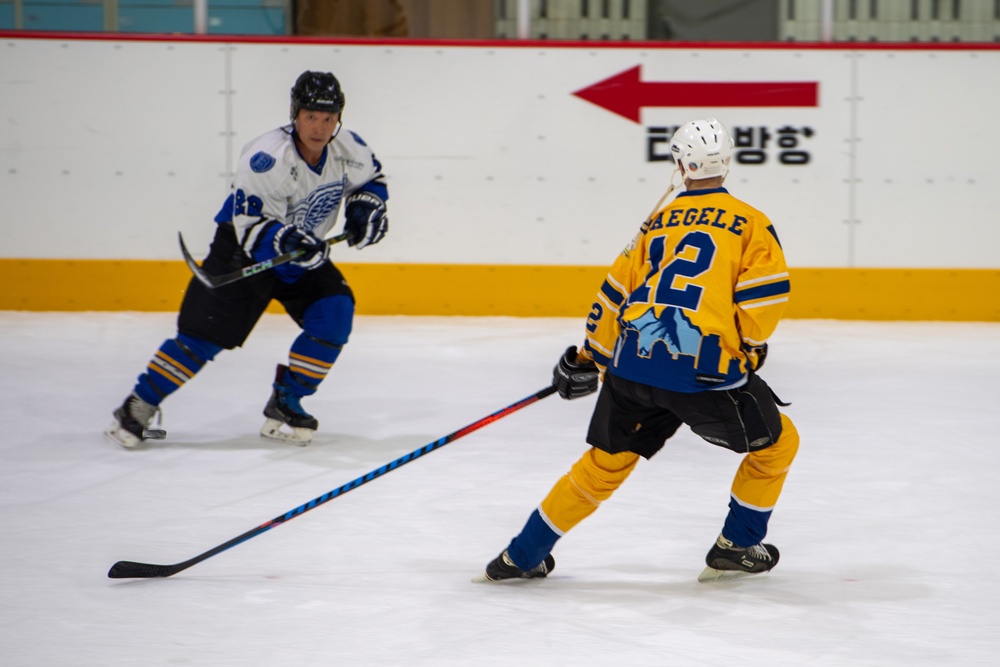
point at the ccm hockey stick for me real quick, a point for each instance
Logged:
(218, 281)
(125, 569)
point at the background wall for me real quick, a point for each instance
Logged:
(500, 168)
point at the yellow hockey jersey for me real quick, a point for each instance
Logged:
(702, 283)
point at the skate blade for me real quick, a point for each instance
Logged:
(281, 432)
(483, 579)
(711, 574)
(119, 436)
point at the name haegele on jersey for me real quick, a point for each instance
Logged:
(691, 217)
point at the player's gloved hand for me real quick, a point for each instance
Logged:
(760, 351)
(365, 219)
(574, 378)
(290, 238)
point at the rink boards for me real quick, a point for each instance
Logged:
(517, 170)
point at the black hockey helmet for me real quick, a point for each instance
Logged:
(317, 91)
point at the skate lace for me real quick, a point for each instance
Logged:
(759, 552)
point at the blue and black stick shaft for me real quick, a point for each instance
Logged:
(126, 569)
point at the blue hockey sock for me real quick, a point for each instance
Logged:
(326, 327)
(176, 362)
(745, 526)
(534, 542)
(309, 361)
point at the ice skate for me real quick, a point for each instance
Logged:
(131, 424)
(286, 420)
(502, 568)
(728, 561)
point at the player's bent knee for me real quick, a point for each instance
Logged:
(620, 461)
(201, 348)
(330, 319)
(789, 440)
(779, 456)
(599, 474)
(591, 481)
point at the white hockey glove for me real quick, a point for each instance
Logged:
(290, 238)
(365, 219)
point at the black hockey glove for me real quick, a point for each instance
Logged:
(761, 351)
(365, 219)
(290, 238)
(573, 378)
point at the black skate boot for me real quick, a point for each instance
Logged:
(284, 410)
(728, 561)
(131, 424)
(502, 568)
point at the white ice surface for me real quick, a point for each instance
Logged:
(888, 525)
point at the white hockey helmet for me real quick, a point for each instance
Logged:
(704, 147)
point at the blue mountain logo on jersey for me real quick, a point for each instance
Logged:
(261, 162)
(671, 328)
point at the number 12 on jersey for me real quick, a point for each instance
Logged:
(693, 257)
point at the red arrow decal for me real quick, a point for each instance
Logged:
(625, 94)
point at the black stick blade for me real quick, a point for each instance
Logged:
(126, 569)
(207, 280)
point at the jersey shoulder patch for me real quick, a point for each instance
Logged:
(261, 162)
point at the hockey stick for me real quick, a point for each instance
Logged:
(671, 186)
(125, 569)
(218, 281)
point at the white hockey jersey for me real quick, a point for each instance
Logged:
(274, 183)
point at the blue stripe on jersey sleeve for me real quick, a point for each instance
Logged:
(762, 291)
(599, 359)
(614, 296)
(225, 214)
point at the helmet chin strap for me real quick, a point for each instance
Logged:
(337, 129)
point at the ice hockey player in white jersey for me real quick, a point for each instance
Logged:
(288, 189)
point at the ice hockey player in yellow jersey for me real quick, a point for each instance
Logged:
(678, 332)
